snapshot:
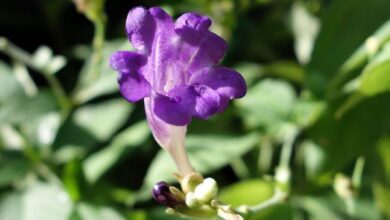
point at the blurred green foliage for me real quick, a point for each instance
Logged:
(318, 75)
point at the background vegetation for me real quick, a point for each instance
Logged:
(318, 105)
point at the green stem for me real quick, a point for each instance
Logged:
(59, 93)
(265, 156)
(41, 168)
(287, 148)
(278, 197)
(358, 173)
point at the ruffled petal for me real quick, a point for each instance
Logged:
(199, 47)
(133, 86)
(226, 82)
(126, 61)
(185, 101)
(174, 110)
(140, 28)
(207, 101)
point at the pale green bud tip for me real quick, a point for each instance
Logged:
(206, 191)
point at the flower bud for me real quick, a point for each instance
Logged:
(192, 201)
(206, 191)
(167, 195)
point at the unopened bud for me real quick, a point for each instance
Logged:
(192, 201)
(206, 191)
(167, 195)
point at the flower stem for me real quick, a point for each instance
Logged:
(278, 197)
(287, 147)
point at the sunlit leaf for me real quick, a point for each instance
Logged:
(40, 201)
(91, 212)
(98, 163)
(247, 192)
(103, 119)
(268, 103)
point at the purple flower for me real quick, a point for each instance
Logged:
(173, 70)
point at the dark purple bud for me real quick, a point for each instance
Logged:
(164, 195)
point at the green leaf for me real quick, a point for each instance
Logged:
(288, 70)
(13, 168)
(365, 51)
(103, 119)
(380, 164)
(276, 212)
(42, 131)
(88, 125)
(98, 163)
(268, 103)
(10, 88)
(344, 139)
(205, 154)
(23, 109)
(318, 208)
(345, 26)
(376, 79)
(40, 201)
(247, 192)
(91, 212)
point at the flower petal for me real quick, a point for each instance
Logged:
(199, 47)
(186, 101)
(207, 101)
(173, 111)
(126, 61)
(226, 82)
(140, 28)
(133, 86)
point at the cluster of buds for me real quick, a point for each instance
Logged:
(196, 198)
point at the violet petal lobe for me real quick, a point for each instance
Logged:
(227, 82)
(172, 110)
(185, 101)
(140, 28)
(126, 61)
(133, 87)
(132, 84)
(199, 47)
